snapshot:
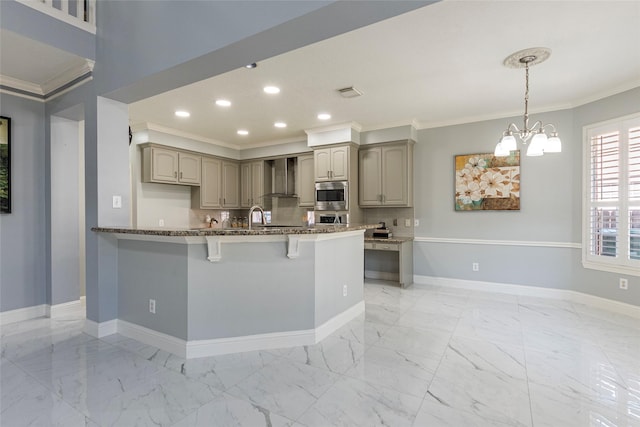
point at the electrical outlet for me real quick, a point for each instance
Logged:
(344, 291)
(624, 284)
(407, 222)
(152, 306)
(395, 222)
(416, 223)
(161, 222)
(117, 202)
(475, 266)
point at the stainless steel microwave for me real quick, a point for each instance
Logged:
(332, 196)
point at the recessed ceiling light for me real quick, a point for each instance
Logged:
(223, 102)
(271, 89)
(280, 124)
(243, 132)
(252, 65)
(182, 113)
(324, 116)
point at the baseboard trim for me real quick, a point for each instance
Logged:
(212, 347)
(100, 330)
(204, 348)
(21, 314)
(531, 291)
(66, 308)
(336, 322)
(148, 336)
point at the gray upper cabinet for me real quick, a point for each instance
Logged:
(164, 165)
(306, 180)
(230, 184)
(220, 188)
(386, 175)
(251, 183)
(189, 168)
(209, 195)
(332, 163)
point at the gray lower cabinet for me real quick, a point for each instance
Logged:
(389, 260)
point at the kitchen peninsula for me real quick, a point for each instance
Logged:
(200, 292)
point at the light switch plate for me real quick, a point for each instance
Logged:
(117, 202)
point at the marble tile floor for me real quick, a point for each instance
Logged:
(423, 356)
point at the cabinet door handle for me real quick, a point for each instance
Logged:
(175, 174)
(180, 175)
(224, 201)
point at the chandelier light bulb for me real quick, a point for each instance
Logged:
(537, 145)
(509, 142)
(501, 151)
(554, 145)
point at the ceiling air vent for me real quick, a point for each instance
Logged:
(349, 92)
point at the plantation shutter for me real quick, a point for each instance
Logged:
(605, 190)
(611, 225)
(634, 193)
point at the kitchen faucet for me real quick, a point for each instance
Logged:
(253, 208)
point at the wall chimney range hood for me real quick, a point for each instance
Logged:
(283, 177)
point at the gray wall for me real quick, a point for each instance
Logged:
(253, 289)
(551, 208)
(338, 263)
(162, 277)
(247, 293)
(23, 231)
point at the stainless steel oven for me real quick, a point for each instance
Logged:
(332, 196)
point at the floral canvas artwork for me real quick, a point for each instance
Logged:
(487, 182)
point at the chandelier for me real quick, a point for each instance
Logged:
(541, 143)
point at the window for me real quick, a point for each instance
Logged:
(611, 240)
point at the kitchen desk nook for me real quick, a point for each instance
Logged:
(202, 292)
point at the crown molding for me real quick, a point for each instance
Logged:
(137, 127)
(400, 123)
(340, 126)
(21, 85)
(41, 92)
(486, 117)
(68, 76)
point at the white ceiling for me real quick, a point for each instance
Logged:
(34, 63)
(438, 65)
(441, 64)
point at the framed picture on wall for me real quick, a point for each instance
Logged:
(5, 164)
(485, 182)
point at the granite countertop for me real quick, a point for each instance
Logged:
(397, 239)
(255, 231)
